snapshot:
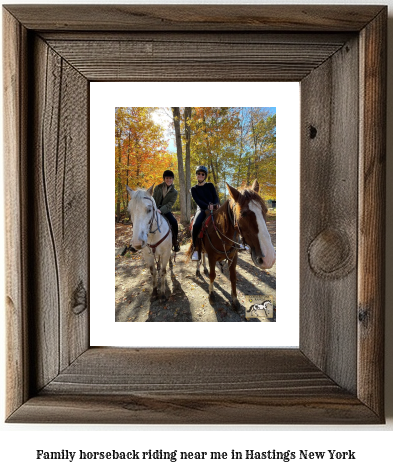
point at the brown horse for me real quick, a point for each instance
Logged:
(242, 215)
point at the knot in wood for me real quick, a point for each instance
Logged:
(331, 255)
(363, 316)
(313, 132)
(80, 299)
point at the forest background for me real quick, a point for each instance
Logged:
(236, 144)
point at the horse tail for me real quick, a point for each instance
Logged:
(189, 252)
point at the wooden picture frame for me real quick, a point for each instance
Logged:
(338, 54)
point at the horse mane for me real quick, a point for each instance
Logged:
(247, 195)
(221, 216)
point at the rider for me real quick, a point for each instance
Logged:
(165, 196)
(205, 196)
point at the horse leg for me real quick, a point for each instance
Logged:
(198, 273)
(163, 260)
(163, 276)
(212, 265)
(232, 275)
(221, 266)
(153, 272)
(206, 271)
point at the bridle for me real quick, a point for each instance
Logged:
(236, 226)
(232, 217)
(155, 216)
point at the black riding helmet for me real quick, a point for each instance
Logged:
(168, 173)
(201, 168)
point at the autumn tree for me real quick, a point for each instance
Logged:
(119, 127)
(187, 137)
(141, 151)
(236, 144)
(263, 138)
(180, 166)
(213, 140)
(255, 156)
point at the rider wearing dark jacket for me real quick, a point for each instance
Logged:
(205, 196)
(165, 196)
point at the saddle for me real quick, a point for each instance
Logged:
(205, 224)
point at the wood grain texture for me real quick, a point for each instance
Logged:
(193, 386)
(200, 37)
(372, 199)
(188, 60)
(52, 374)
(14, 74)
(194, 409)
(60, 217)
(198, 17)
(329, 173)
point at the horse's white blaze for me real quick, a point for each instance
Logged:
(264, 238)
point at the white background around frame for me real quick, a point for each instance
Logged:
(104, 97)
(20, 441)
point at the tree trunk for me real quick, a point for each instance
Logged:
(255, 143)
(248, 170)
(182, 183)
(118, 180)
(215, 175)
(240, 153)
(187, 127)
(128, 168)
(210, 157)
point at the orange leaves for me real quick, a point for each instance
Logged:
(141, 153)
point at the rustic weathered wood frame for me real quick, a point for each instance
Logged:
(338, 53)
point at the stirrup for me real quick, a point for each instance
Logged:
(195, 256)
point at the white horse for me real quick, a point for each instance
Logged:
(152, 234)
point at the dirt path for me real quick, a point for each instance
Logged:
(187, 294)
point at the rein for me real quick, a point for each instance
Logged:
(155, 215)
(235, 224)
(236, 227)
(152, 218)
(154, 246)
(218, 232)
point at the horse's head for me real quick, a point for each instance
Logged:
(250, 215)
(141, 209)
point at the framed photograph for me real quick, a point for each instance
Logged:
(52, 57)
(150, 121)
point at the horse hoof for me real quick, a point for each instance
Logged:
(154, 295)
(163, 298)
(206, 271)
(212, 298)
(236, 305)
(198, 273)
